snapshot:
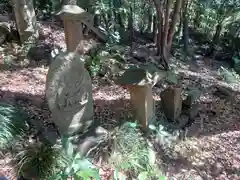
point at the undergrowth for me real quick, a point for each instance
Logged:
(132, 154)
(13, 125)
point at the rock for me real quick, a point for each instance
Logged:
(69, 94)
(5, 30)
(40, 52)
(37, 101)
(90, 139)
(193, 95)
(172, 102)
(217, 169)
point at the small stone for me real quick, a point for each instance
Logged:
(37, 101)
(217, 169)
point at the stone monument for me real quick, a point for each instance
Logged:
(73, 19)
(25, 19)
(139, 82)
(69, 94)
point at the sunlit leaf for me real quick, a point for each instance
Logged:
(142, 176)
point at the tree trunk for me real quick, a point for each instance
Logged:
(150, 21)
(165, 34)
(215, 41)
(166, 22)
(155, 27)
(130, 25)
(159, 8)
(185, 27)
(175, 19)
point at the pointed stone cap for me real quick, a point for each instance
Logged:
(73, 12)
(141, 76)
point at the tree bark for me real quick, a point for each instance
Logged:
(166, 22)
(155, 29)
(150, 21)
(185, 26)
(215, 41)
(175, 19)
(130, 25)
(159, 8)
(165, 34)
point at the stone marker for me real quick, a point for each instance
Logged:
(73, 16)
(69, 94)
(172, 102)
(25, 19)
(139, 82)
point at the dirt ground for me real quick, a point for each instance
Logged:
(212, 150)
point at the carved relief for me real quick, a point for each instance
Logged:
(69, 93)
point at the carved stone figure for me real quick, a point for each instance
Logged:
(69, 94)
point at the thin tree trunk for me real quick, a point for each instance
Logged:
(155, 29)
(176, 15)
(215, 41)
(166, 22)
(130, 28)
(159, 7)
(185, 26)
(150, 21)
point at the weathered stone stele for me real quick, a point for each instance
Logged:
(25, 19)
(69, 94)
(139, 82)
(73, 16)
(172, 102)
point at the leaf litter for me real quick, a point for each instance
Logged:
(212, 152)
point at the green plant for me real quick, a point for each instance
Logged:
(93, 65)
(39, 161)
(131, 153)
(77, 167)
(54, 162)
(13, 125)
(230, 76)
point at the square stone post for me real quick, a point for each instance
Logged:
(142, 102)
(139, 82)
(72, 16)
(73, 34)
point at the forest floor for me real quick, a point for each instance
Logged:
(210, 152)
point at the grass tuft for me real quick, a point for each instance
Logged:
(131, 153)
(13, 125)
(40, 161)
